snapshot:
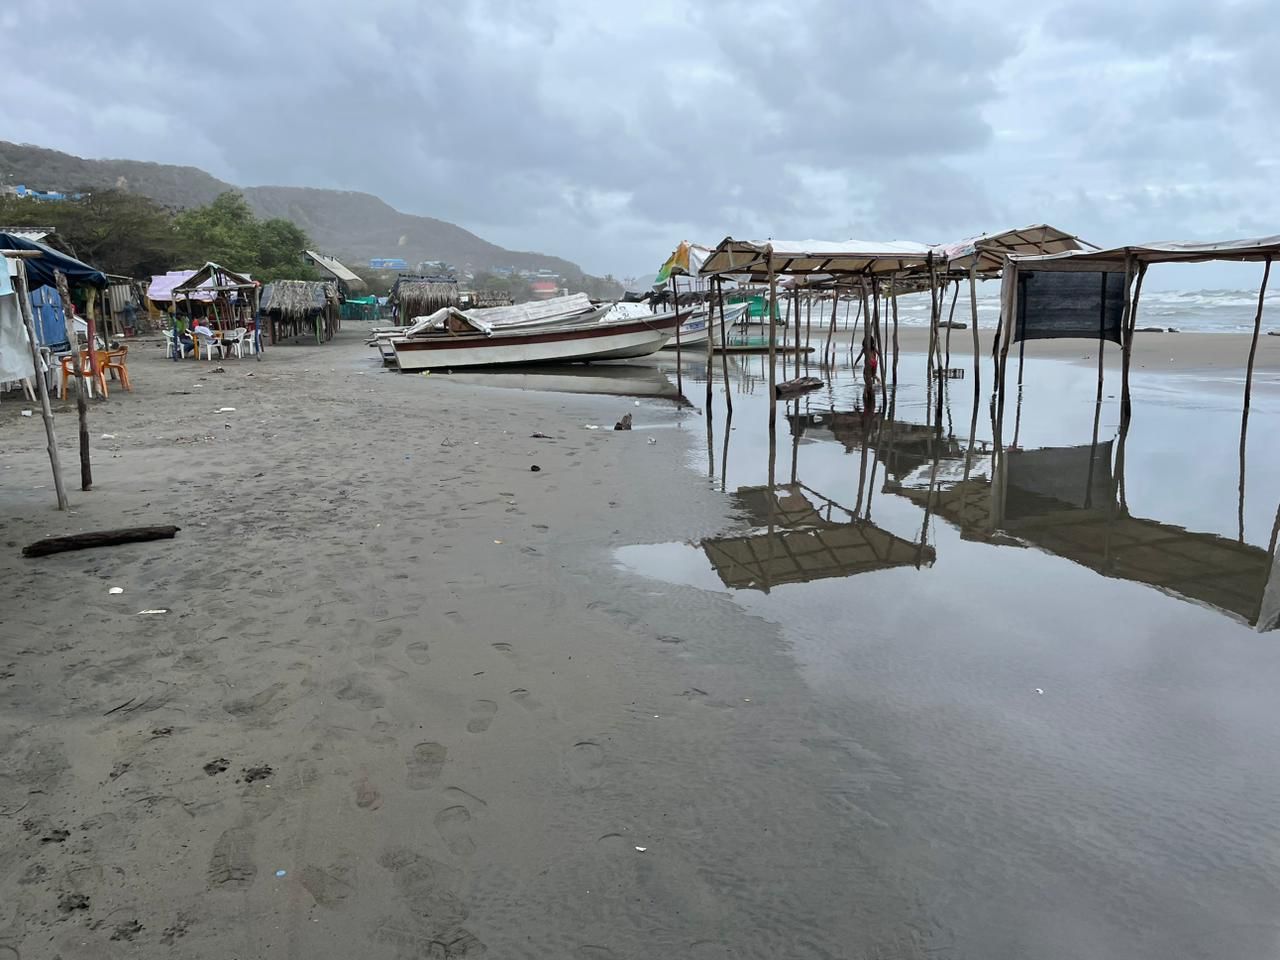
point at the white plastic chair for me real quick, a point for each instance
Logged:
(236, 341)
(210, 344)
(169, 348)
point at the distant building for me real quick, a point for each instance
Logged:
(544, 289)
(48, 195)
(388, 263)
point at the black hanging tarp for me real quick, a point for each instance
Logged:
(1078, 305)
(40, 269)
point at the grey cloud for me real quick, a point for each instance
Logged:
(607, 132)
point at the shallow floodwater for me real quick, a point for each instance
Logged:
(1042, 673)
(1072, 688)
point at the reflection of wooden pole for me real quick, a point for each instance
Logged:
(773, 347)
(46, 413)
(724, 455)
(724, 355)
(675, 304)
(82, 407)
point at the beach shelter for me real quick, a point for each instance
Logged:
(292, 306)
(347, 280)
(232, 299)
(41, 269)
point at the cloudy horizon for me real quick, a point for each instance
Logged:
(607, 133)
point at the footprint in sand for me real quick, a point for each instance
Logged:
(425, 763)
(388, 636)
(231, 864)
(504, 649)
(367, 795)
(482, 714)
(454, 826)
(585, 762)
(360, 689)
(522, 696)
(592, 952)
(329, 886)
(418, 652)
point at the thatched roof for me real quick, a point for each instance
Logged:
(418, 297)
(296, 298)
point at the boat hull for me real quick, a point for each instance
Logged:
(622, 341)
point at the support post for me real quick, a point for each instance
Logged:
(82, 407)
(773, 347)
(827, 358)
(42, 383)
(724, 356)
(1248, 388)
(893, 307)
(711, 329)
(973, 314)
(1127, 341)
(675, 305)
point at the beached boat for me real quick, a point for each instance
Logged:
(568, 343)
(695, 330)
(618, 379)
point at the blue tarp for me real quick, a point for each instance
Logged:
(40, 269)
(50, 323)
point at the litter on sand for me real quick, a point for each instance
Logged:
(143, 613)
(653, 439)
(108, 436)
(591, 426)
(115, 590)
(642, 849)
(281, 873)
(226, 409)
(26, 413)
(1040, 690)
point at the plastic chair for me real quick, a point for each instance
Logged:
(209, 344)
(235, 340)
(117, 365)
(169, 346)
(86, 373)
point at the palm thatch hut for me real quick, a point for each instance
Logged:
(414, 296)
(296, 307)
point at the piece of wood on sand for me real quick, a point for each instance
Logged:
(98, 538)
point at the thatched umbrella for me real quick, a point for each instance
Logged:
(294, 305)
(418, 297)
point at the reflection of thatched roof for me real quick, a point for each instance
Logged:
(296, 298)
(1227, 575)
(803, 545)
(419, 297)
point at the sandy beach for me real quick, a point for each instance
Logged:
(401, 701)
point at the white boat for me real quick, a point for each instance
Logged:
(695, 330)
(569, 343)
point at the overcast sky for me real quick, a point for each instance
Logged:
(606, 132)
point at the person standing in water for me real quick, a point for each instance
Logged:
(871, 369)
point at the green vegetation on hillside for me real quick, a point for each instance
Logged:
(129, 235)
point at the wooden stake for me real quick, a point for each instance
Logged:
(724, 358)
(827, 357)
(675, 304)
(973, 313)
(893, 305)
(710, 307)
(46, 413)
(773, 349)
(82, 407)
(1257, 328)
(951, 318)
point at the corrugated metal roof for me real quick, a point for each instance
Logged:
(335, 269)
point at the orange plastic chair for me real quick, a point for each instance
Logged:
(115, 363)
(69, 371)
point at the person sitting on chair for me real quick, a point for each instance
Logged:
(200, 329)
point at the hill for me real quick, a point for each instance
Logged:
(350, 225)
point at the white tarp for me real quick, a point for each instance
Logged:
(15, 345)
(488, 319)
(1164, 251)
(752, 257)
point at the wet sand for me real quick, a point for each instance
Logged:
(403, 702)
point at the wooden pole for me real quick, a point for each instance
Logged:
(973, 315)
(91, 334)
(808, 320)
(1127, 343)
(711, 327)
(882, 321)
(1257, 328)
(893, 306)
(1004, 330)
(1248, 390)
(827, 355)
(82, 407)
(675, 305)
(46, 413)
(724, 357)
(860, 315)
(773, 345)
(951, 318)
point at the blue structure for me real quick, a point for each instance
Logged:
(388, 263)
(50, 321)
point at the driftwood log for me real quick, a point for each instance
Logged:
(98, 538)
(794, 388)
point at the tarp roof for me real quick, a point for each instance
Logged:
(336, 269)
(987, 252)
(1254, 249)
(215, 277)
(862, 257)
(40, 269)
(686, 260)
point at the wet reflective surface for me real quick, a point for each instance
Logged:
(1060, 651)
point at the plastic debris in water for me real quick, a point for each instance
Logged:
(641, 849)
(1040, 690)
(116, 590)
(147, 612)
